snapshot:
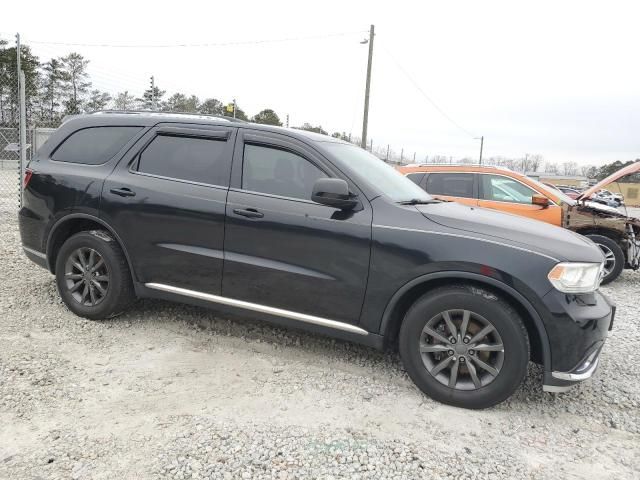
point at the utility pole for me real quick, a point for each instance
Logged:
(22, 117)
(365, 119)
(154, 106)
(371, 146)
(287, 120)
(387, 152)
(414, 157)
(234, 108)
(481, 145)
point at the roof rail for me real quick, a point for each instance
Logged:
(155, 112)
(447, 164)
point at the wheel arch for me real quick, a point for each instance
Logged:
(72, 224)
(408, 293)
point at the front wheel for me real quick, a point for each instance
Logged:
(464, 346)
(613, 257)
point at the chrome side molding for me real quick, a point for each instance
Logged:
(256, 307)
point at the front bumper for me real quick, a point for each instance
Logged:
(578, 328)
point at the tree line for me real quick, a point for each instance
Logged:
(61, 86)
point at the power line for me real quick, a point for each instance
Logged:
(201, 45)
(427, 97)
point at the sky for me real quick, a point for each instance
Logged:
(555, 78)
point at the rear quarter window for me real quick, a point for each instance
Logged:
(94, 145)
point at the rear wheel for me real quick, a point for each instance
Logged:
(613, 257)
(464, 346)
(93, 276)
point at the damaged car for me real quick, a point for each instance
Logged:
(498, 188)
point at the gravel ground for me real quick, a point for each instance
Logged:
(171, 391)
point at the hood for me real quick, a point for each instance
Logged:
(628, 170)
(533, 235)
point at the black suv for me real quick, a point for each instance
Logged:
(308, 231)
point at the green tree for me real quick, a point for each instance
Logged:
(147, 100)
(267, 117)
(211, 106)
(310, 128)
(51, 90)
(97, 101)
(9, 97)
(124, 101)
(179, 102)
(239, 113)
(76, 81)
(610, 168)
(341, 136)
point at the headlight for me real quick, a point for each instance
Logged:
(576, 277)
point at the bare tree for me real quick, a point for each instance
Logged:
(570, 168)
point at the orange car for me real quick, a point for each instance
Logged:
(502, 189)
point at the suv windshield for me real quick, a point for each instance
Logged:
(379, 174)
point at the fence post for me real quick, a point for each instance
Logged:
(23, 132)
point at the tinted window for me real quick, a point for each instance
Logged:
(200, 160)
(505, 189)
(451, 184)
(94, 146)
(278, 172)
(416, 177)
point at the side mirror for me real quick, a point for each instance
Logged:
(540, 200)
(333, 192)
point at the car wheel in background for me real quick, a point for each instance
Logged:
(613, 257)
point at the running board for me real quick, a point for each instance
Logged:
(256, 307)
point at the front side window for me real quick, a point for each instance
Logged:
(278, 172)
(95, 145)
(378, 174)
(505, 189)
(451, 184)
(201, 160)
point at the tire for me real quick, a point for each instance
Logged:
(485, 310)
(106, 289)
(614, 257)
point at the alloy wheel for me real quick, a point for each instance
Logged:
(86, 276)
(461, 349)
(609, 259)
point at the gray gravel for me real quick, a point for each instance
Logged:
(171, 391)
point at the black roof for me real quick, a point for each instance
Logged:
(150, 118)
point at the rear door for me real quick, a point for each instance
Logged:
(282, 249)
(458, 187)
(166, 199)
(507, 194)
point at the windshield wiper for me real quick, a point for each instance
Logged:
(418, 201)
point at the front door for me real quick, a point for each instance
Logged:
(508, 195)
(167, 200)
(283, 250)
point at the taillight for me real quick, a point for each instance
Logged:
(28, 173)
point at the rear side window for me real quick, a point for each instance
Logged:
(416, 177)
(201, 160)
(278, 172)
(451, 184)
(94, 146)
